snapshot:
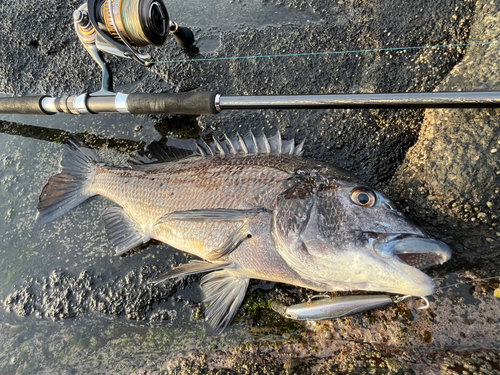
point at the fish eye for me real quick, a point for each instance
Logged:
(363, 197)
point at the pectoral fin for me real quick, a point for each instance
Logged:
(194, 266)
(123, 232)
(223, 291)
(219, 214)
(234, 241)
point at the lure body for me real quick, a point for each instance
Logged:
(331, 308)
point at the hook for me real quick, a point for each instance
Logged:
(402, 298)
(322, 296)
(427, 304)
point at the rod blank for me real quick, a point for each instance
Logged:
(344, 101)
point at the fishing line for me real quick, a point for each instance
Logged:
(466, 282)
(427, 304)
(326, 53)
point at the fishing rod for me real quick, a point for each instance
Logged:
(198, 103)
(120, 27)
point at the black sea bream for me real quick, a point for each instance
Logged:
(253, 208)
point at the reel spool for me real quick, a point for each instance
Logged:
(141, 22)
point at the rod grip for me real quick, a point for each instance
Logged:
(23, 105)
(183, 103)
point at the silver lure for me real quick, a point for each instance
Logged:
(336, 307)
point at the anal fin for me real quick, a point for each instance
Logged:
(223, 291)
(123, 232)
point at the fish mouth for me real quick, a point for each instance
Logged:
(407, 254)
(411, 249)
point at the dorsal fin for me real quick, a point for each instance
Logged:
(223, 146)
(242, 147)
(275, 143)
(252, 145)
(157, 153)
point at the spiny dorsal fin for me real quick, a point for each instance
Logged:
(251, 145)
(224, 146)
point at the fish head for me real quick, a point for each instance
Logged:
(345, 235)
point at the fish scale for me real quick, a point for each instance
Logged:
(226, 174)
(194, 184)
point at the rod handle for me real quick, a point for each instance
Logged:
(23, 105)
(183, 103)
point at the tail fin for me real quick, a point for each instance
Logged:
(71, 187)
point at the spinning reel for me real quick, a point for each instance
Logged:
(120, 27)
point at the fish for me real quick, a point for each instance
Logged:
(250, 208)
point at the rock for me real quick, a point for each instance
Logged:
(453, 158)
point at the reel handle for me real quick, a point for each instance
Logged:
(183, 35)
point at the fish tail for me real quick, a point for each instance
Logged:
(72, 186)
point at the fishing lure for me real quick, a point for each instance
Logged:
(336, 307)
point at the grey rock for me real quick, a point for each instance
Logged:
(452, 160)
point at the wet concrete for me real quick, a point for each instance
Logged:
(70, 306)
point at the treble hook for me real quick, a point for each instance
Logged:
(427, 304)
(402, 298)
(319, 296)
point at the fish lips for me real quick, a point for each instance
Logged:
(411, 253)
(414, 250)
